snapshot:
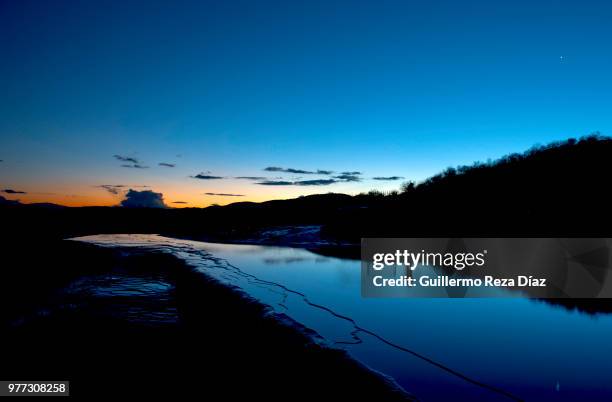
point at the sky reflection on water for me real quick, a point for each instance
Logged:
(528, 348)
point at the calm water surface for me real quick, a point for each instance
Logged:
(464, 349)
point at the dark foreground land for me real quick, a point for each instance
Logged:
(221, 345)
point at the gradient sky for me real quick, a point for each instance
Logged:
(227, 88)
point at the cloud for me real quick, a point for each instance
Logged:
(179, 202)
(135, 166)
(11, 191)
(320, 182)
(203, 176)
(112, 188)
(287, 170)
(225, 194)
(341, 178)
(296, 171)
(250, 177)
(164, 164)
(143, 199)
(275, 183)
(126, 159)
(132, 162)
(348, 176)
(116, 188)
(391, 178)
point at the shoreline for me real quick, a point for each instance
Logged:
(307, 237)
(216, 325)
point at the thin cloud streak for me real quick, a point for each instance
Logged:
(389, 178)
(126, 159)
(11, 191)
(116, 189)
(250, 177)
(348, 177)
(203, 176)
(135, 166)
(225, 194)
(275, 183)
(321, 182)
(296, 171)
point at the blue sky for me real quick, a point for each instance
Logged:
(402, 88)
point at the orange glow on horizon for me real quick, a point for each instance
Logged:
(187, 197)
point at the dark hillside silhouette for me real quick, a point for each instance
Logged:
(560, 189)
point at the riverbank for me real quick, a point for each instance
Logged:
(309, 237)
(212, 340)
